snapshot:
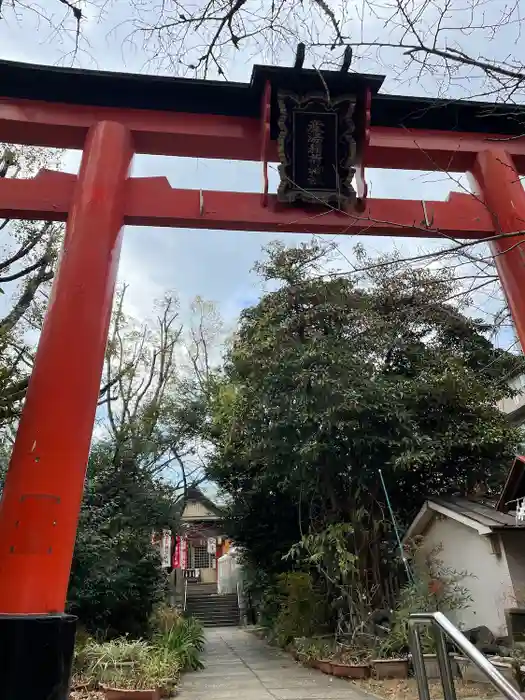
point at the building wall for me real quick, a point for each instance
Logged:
(516, 404)
(514, 546)
(193, 510)
(489, 581)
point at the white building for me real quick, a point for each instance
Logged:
(485, 541)
(515, 407)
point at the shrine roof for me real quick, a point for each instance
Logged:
(137, 91)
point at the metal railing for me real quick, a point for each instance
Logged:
(185, 595)
(443, 628)
(240, 603)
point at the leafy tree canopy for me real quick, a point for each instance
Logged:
(330, 379)
(116, 577)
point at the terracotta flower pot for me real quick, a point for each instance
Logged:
(305, 660)
(324, 666)
(125, 694)
(350, 670)
(168, 689)
(390, 668)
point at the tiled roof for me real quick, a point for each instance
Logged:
(482, 513)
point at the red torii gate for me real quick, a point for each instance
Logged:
(110, 117)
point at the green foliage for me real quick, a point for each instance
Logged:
(433, 588)
(329, 378)
(136, 478)
(517, 656)
(313, 649)
(327, 551)
(116, 578)
(126, 663)
(269, 606)
(185, 639)
(164, 617)
(301, 608)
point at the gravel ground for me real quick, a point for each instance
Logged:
(407, 689)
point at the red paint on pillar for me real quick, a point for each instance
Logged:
(43, 490)
(504, 196)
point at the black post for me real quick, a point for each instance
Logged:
(36, 655)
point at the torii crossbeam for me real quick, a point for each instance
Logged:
(112, 116)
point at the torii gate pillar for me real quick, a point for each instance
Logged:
(500, 187)
(43, 491)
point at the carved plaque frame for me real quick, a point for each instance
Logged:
(332, 144)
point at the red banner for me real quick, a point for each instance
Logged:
(176, 554)
(184, 553)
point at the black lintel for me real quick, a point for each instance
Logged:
(128, 90)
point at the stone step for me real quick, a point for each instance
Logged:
(211, 596)
(211, 603)
(212, 611)
(202, 588)
(211, 606)
(200, 616)
(230, 622)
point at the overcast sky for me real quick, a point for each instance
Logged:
(214, 264)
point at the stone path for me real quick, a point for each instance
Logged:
(241, 667)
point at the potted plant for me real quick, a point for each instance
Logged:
(128, 670)
(351, 663)
(151, 679)
(131, 693)
(146, 681)
(432, 666)
(300, 650)
(390, 662)
(323, 665)
(104, 663)
(320, 657)
(314, 653)
(511, 666)
(517, 657)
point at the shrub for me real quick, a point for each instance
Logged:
(301, 610)
(164, 617)
(185, 640)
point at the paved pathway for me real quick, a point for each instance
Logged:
(241, 667)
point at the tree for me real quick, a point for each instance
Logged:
(329, 380)
(27, 263)
(460, 46)
(152, 406)
(116, 576)
(154, 379)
